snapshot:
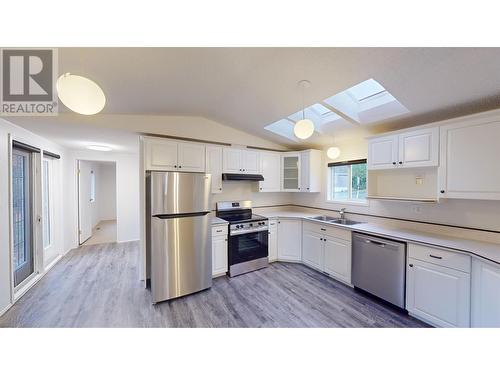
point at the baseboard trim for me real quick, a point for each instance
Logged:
(6, 308)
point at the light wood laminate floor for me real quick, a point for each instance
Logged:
(98, 286)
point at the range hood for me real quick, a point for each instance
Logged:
(242, 177)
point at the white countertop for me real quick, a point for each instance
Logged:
(218, 221)
(487, 250)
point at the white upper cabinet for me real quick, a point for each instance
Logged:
(232, 160)
(191, 157)
(470, 155)
(310, 171)
(485, 294)
(270, 164)
(240, 161)
(161, 154)
(168, 155)
(214, 167)
(383, 152)
(251, 162)
(290, 171)
(418, 148)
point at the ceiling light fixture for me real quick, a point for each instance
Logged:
(99, 148)
(333, 152)
(80, 94)
(304, 128)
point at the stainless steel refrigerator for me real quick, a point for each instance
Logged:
(178, 235)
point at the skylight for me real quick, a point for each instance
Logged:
(284, 128)
(365, 103)
(365, 90)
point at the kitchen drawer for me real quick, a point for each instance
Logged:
(440, 257)
(327, 229)
(219, 230)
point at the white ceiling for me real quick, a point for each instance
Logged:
(249, 88)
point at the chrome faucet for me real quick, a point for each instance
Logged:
(342, 213)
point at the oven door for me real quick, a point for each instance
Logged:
(248, 246)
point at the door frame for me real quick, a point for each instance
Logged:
(51, 185)
(37, 243)
(77, 190)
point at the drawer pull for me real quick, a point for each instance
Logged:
(435, 256)
(323, 229)
(218, 231)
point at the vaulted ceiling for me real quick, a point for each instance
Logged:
(249, 88)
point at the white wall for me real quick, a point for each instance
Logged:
(104, 205)
(127, 194)
(247, 190)
(106, 191)
(22, 135)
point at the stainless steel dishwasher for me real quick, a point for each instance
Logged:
(378, 267)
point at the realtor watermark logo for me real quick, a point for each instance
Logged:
(28, 82)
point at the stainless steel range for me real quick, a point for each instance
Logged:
(247, 238)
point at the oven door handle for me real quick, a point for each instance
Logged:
(249, 231)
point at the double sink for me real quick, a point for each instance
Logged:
(334, 220)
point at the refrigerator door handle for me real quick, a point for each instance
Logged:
(179, 215)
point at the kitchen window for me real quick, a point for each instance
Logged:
(347, 181)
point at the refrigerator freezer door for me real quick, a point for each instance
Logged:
(179, 193)
(181, 256)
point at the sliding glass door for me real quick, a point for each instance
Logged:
(22, 193)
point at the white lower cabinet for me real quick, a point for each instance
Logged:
(290, 240)
(273, 241)
(312, 249)
(219, 251)
(337, 258)
(485, 294)
(436, 293)
(327, 249)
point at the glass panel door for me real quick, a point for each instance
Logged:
(22, 215)
(290, 172)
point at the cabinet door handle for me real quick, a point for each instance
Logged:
(323, 229)
(220, 188)
(180, 166)
(442, 191)
(435, 256)
(411, 265)
(400, 162)
(218, 231)
(393, 163)
(175, 166)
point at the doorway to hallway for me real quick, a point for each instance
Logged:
(96, 202)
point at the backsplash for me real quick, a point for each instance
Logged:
(246, 190)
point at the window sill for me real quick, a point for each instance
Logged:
(365, 203)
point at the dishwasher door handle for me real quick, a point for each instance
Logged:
(381, 244)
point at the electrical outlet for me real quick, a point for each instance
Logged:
(419, 180)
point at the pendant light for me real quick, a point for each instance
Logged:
(80, 94)
(333, 152)
(304, 128)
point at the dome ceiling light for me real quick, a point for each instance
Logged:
(99, 148)
(304, 128)
(80, 94)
